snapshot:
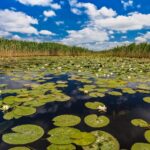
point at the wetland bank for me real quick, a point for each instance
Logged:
(80, 102)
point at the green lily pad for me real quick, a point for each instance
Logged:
(24, 111)
(93, 105)
(68, 131)
(61, 147)
(60, 139)
(96, 121)
(83, 138)
(23, 134)
(147, 135)
(19, 148)
(140, 123)
(104, 141)
(114, 93)
(140, 146)
(96, 94)
(66, 120)
(146, 99)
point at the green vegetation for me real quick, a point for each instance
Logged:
(15, 48)
(132, 50)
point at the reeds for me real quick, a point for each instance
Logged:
(13, 48)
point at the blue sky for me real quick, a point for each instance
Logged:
(95, 24)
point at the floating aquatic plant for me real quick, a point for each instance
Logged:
(114, 93)
(140, 123)
(147, 135)
(104, 141)
(96, 121)
(83, 138)
(23, 134)
(96, 106)
(66, 120)
(146, 99)
(140, 146)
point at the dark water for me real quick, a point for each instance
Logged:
(121, 110)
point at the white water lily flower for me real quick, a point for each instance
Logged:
(79, 70)
(59, 68)
(102, 108)
(5, 107)
(86, 91)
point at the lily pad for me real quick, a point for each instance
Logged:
(68, 131)
(114, 93)
(147, 135)
(66, 120)
(96, 121)
(24, 111)
(83, 138)
(104, 141)
(140, 123)
(61, 147)
(23, 134)
(93, 105)
(146, 99)
(140, 146)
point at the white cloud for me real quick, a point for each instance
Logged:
(4, 33)
(40, 3)
(46, 32)
(102, 25)
(143, 38)
(49, 13)
(85, 36)
(59, 23)
(135, 21)
(12, 21)
(76, 11)
(127, 3)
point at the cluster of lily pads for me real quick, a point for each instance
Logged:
(98, 77)
(26, 100)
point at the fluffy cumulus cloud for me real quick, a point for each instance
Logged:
(10, 22)
(49, 13)
(143, 38)
(24, 25)
(40, 3)
(46, 32)
(103, 24)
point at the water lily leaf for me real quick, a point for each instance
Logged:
(93, 105)
(147, 135)
(61, 147)
(140, 146)
(60, 139)
(83, 138)
(66, 120)
(140, 123)
(96, 121)
(104, 141)
(19, 148)
(9, 115)
(114, 93)
(68, 131)
(96, 94)
(146, 99)
(24, 111)
(23, 134)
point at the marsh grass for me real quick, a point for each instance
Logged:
(13, 48)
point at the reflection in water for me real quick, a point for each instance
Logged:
(120, 111)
